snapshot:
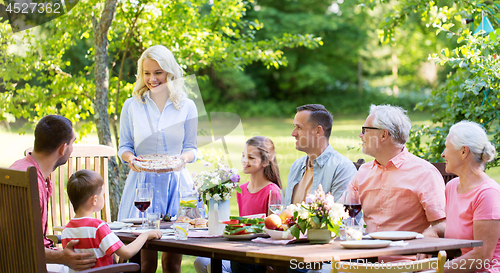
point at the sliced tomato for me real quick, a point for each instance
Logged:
(231, 222)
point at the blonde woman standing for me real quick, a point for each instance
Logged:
(159, 118)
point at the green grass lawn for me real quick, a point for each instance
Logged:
(344, 133)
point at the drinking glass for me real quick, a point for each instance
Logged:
(142, 201)
(351, 203)
(154, 220)
(351, 231)
(181, 231)
(276, 201)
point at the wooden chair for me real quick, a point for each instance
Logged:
(430, 265)
(93, 157)
(21, 237)
(441, 166)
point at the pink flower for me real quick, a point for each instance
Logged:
(320, 194)
(310, 198)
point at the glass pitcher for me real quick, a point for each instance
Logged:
(188, 206)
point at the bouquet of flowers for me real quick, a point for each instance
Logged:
(217, 184)
(318, 211)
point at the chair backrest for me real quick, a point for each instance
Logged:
(21, 237)
(93, 157)
(358, 163)
(434, 265)
(441, 166)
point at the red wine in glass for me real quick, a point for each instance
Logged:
(142, 205)
(353, 209)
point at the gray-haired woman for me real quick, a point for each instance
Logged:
(472, 199)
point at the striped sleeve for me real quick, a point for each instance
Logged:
(109, 241)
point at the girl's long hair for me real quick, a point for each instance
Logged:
(267, 155)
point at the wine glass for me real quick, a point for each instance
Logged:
(275, 201)
(142, 201)
(351, 203)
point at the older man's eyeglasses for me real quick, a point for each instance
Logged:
(363, 129)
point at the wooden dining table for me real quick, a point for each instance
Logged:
(281, 257)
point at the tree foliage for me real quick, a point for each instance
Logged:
(310, 74)
(471, 91)
(351, 71)
(38, 77)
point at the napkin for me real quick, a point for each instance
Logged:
(399, 243)
(419, 236)
(201, 234)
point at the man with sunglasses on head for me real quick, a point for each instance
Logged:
(398, 190)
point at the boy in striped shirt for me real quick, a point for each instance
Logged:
(86, 193)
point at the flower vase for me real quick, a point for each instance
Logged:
(217, 211)
(320, 235)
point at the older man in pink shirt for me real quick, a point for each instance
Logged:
(398, 190)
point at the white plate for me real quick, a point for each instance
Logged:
(258, 215)
(244, 236)
(394, 235)
(277, 234)
(133, 220)
(365, 244)
(118, 225)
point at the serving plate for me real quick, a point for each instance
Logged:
(394, 235)
(365, 244)
(199, 228)
(244, 236)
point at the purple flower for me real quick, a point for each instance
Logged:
(235, 178)
(310, 198)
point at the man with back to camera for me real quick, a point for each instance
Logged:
(322, 164)
(54, 139)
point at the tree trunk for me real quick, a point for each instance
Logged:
(101, 75)
(360, 77)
